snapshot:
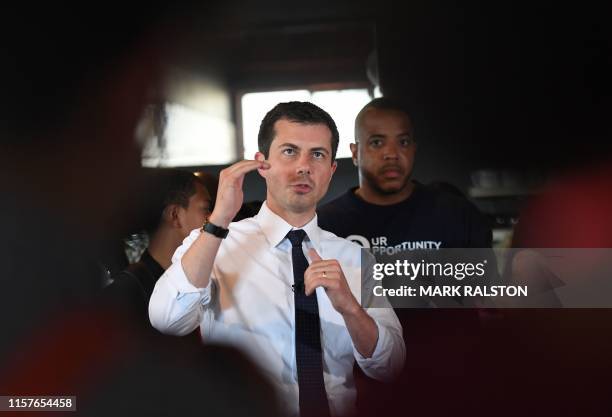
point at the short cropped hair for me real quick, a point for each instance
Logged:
(166, 187)
(382, 103)
(295, 111)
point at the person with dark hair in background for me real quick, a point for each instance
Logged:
(179, 205)
(250, 284)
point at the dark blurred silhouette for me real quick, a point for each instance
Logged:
(76, 82)
(573, 211)
(546, 362)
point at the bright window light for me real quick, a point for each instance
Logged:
(342, 105)
(254, 108)
(192, 138)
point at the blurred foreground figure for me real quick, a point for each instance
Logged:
(572, 212)
(545, 361)
(76, 82)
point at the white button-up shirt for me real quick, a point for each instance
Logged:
(249, 304)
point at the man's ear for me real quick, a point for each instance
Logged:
(171, 215)
(354, 153)
(333, 169)
(261, 157)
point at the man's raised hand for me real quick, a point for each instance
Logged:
(229, 193)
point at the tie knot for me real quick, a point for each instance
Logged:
(296, 237)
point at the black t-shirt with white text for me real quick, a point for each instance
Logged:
(428, 219)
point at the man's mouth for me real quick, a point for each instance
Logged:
(302, 188)
(391, 172)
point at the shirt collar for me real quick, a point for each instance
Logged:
(275, 228)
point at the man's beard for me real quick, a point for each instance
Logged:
(377, 185)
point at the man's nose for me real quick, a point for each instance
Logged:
(303, 166)
(391, 151)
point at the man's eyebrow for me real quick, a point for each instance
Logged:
(290, 145)
(381, 136)
(319, 149)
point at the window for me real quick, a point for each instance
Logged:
(342, 105)
(192, 138)
(206, 135)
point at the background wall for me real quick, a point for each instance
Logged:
(503, 87)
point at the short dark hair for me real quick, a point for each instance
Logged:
(383, 103)
(299, 112)
(165, 187)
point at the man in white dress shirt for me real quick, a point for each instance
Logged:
(239, 286)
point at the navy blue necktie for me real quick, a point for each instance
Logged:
(308, 354)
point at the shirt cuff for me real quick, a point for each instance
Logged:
(179, 281)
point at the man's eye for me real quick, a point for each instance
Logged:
(289, 151)
(318, 155)
(375, 143)
(406, 142)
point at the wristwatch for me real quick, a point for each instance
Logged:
(215, 230)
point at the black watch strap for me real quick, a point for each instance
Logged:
(215, 230)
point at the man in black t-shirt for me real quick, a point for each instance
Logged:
(389, 211)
